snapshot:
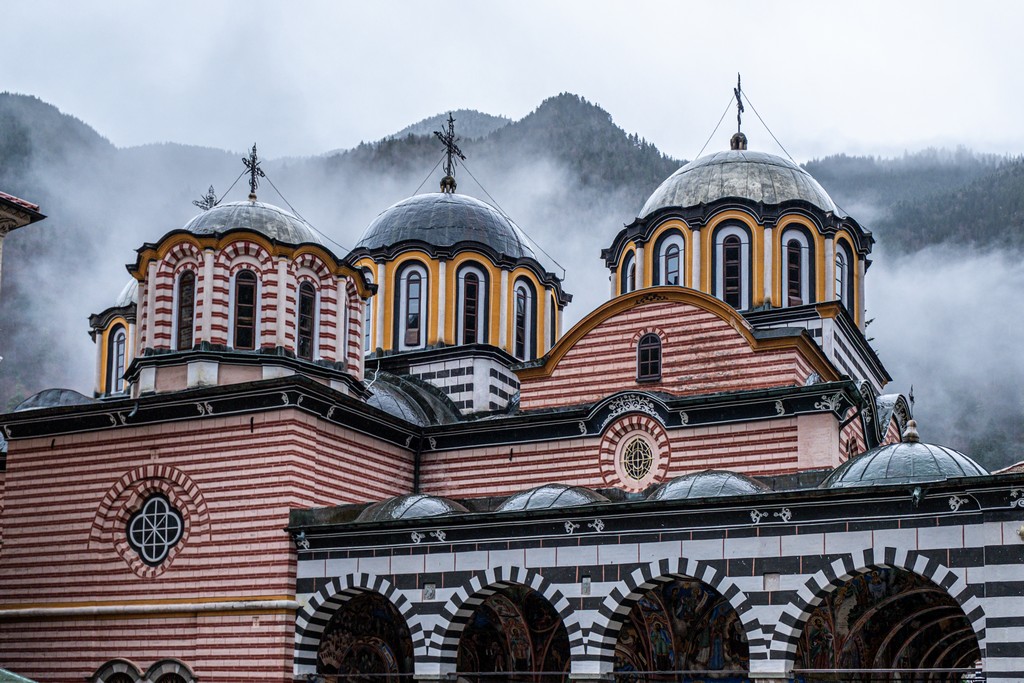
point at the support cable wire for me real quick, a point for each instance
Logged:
(509, 219)
(416, 191)
(747, 98)
(231, 188)
(294, 211)
(728, 106)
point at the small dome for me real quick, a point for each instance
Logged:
(756, 176)
(53, 398)
(707, 484)
(908, 462)
(443, 220)
(410, 507)
(266, 219)
(129, 295)
(551, 496)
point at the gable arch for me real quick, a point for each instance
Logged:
(615, 609)
(444, 641)
(794, 616)
(312, 619)
(169, 666)
(114, 667)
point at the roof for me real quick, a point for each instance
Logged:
(551, 496)
(443, 220)
(756, 176)
(410, 507)
(908, 462)
(707, 484)
(266, 219)
(52, 398)
(19, 202)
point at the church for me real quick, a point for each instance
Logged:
(395, 464)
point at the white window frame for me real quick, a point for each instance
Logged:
(403, 303)
(677, 240)
(805, 266)
(627, 263)
(316, 317)
(720, 236)
(113, 379)
(529, 324)
(258, 337)
(481, 304)
(843, 292)
(368, 316)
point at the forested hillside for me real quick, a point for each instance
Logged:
(950, 229)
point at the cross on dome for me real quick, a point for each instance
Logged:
(252, 164)
(452, 152)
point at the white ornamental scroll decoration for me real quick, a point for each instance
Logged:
(631, 403)
(1017, 498)
(830, 403)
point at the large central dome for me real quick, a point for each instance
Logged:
(266, 219)
(443, 220)
(755, 176)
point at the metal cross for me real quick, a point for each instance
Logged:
(448, 139)
(252, 164)
(208, 200)
(738, 92)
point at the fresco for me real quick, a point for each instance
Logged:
(514, 630)
(682, 626)
(886, 618)
(366, 635)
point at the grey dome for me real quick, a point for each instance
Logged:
(266, 219)
(551, 496)
(909, 462)
(707, 484)
(53, 398)
(443, 220)
(409, 507)
(756, 176)
(129, 295)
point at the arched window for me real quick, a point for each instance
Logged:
(410, 321)
(794, 281)
(627, 282)
(185, 318)
(116, 350)
(648, 358)
(368, 318)
(669, 266)
(471, 327)
(307, 321)
(525, 335)
(552, 321)
(844, 279)
(797, 268)
(732, 266)
(245, 310)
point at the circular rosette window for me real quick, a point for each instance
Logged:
(634, 453)
(155, 529)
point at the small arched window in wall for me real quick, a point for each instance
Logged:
(185, 318)
(525, 336)
(552, 321)
(732, 266)
(794, 278)
(306, 322)
(413, 317)
(672, 260)
(627, 282)
(245, 310)
(797, 268)
(648, 358)
(844, 280)
(471, 325)
(368, 317)
(116, 351)
(669, 264)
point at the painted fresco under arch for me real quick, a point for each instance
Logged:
(367, 635)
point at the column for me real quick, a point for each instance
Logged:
(640, 283)
(378, 335)
(695, 275)
(861, 304)
(206, 327)
(830, 269)
(442, 282)
(150, 306)
(543, 322)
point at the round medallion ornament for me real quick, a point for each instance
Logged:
(637, 458)
(155, 529)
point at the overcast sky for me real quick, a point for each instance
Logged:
(307, 77)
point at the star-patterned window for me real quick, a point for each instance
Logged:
(155, 529)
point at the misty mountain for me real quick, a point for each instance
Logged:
(469, 124)
(570, 177)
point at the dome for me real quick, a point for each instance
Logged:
(756, 176)
(707, 484)
(410, 507)
(129, 295)
(444, 219)
(551, 496)
(53, 398)
(908, 462)
(266, 219)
